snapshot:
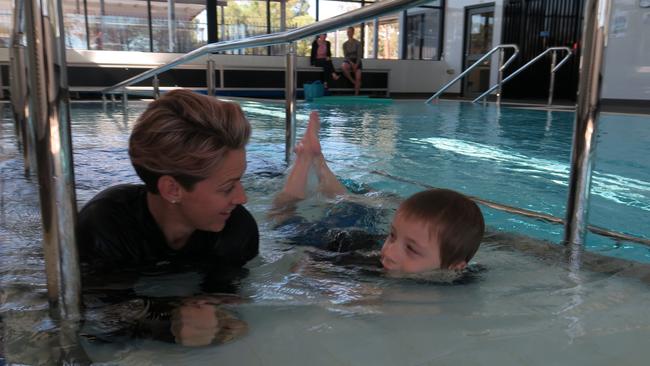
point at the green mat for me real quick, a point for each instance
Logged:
(351, 99)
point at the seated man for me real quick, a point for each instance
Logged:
(353, 52)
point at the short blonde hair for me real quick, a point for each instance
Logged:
(185, 135)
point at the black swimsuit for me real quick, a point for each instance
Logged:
(116, 231)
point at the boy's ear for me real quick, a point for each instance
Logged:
(458, 266)
(169, 189)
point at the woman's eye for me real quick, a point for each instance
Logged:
(227, 189)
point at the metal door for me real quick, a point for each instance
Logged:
(479, 24)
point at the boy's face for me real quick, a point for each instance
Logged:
(409, 247)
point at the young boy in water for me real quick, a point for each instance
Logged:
(433, 229)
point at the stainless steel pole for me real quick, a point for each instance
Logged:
(290, 101)
(50, 120)
(2, 87)
(171, 25)
(501, 54)
(551, 85)
(375, 38)
(594, 37)
(18, 87)
(156, 87)
(210, 78)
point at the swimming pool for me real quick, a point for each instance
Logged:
(526, 304)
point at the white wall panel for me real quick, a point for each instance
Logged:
(627, 56)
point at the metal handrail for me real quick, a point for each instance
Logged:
(537, 58)
(527, 213)
(500, 47)
(323, 26)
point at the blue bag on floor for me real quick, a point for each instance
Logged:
(313, 90)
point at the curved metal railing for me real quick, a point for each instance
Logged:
(323, 26)
(502, 67)
(527, 213)
(554, 68)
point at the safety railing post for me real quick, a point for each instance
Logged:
(156, 87)
(49, 119)
(210, 81)
(500, 77)
(551, 85)
(18, 87)
(594, 36)
(290, 101)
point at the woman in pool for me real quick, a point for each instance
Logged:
(434, 229)
(189, 150)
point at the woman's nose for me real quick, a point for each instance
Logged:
(240, 197)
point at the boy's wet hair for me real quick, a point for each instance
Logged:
(454, 219)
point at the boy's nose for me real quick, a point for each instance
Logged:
(387, 259)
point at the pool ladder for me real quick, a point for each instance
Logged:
(554, 68)
(502, 66)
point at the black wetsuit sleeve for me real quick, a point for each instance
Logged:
(104, 237)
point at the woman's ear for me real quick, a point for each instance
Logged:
(170, 190)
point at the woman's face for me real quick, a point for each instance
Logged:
(322, 37)
(209, 204)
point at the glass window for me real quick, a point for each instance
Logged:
(423, 34)
(240, 19)
(191, 26)
(74, 23)
(369, 40)
(118, 25)
(388, 37)
(329, 9)
(6, 22)
(189, 31)
(298, 14)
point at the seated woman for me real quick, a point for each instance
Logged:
(189, 150)
(321, 56)
(431, 230)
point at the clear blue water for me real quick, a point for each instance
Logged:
(517, 157)
(525, 304)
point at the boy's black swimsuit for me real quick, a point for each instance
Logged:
(116, 231)
(345, 227)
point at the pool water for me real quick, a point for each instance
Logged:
(526, 307)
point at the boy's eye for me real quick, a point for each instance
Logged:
(412, 250)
